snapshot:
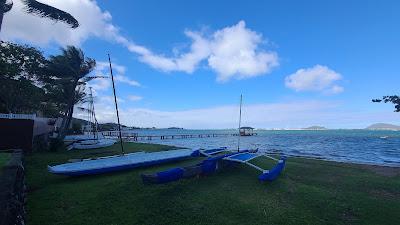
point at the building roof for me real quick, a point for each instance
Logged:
(247, 128)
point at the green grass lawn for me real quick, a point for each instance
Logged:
(4, 157)
(308, 192)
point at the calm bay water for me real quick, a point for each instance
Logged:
(359, 146)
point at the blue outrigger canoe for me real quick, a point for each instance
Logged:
(211, 164)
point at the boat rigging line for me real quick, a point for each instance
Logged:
(116, 106)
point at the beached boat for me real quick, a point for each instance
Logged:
(212, 164)
(92, 138)
(92, 144)
(120, 162)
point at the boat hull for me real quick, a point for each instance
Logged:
(119, 163)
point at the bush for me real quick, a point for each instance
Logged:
(56, 144)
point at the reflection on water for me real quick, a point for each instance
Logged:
(360, 146)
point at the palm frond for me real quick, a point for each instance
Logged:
(85, 110)
(47, 11)
(89, 78)
(7, 6)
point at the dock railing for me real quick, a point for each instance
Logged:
(131, 136)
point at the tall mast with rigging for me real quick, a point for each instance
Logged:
(116, 105)
(93, 115)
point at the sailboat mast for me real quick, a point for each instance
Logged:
(116, 105)
(95, 131)
(90, 112)
(240, 121)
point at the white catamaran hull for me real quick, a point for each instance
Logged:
(120, 162)
(91, 144)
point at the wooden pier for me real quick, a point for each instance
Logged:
(136, 137)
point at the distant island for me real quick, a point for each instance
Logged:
(383, 126)
(315, 128)
(175, 128)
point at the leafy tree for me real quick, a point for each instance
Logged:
(22, 77)
(76, 127)
(40, 9)
(394, 99)
(71, 69)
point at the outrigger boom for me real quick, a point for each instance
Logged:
(269, 175)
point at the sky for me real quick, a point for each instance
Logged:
(186, 63)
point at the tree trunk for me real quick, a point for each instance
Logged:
(69, 119)
(68, 114)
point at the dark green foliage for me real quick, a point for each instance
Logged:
(29, 83)
(71, 68)
(308, 192)
(55, 145)
(109, 126)
(4, 157)
(394, 99)
(76, 128)
(22, 73)
(7, 6)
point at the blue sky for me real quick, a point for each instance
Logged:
(181, 63)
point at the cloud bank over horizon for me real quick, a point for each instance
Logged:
(286, 115)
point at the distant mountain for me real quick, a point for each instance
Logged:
(315, 128)
(109, 126)
(383, 126)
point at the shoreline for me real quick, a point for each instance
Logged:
(347, 162)
(393, 165)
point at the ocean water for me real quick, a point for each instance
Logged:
(357, 146)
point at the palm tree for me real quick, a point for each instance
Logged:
(71, 69)
(40, 9)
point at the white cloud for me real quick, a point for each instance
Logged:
(109, 99)
(266, 115)
(126, 80)
(100, 84)
(102, 69)
(135, 98)
(317, 78)
(232, 52)
(235, 53)
(287, 114)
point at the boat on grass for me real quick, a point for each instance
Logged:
(92, 144)
(212, 164)
(92, 139)
(120, 162)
